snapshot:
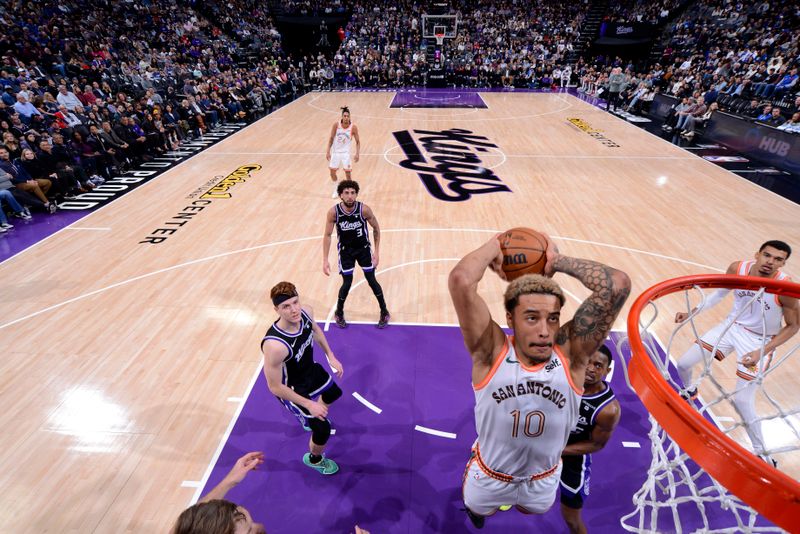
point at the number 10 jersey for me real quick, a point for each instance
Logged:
(524, 415)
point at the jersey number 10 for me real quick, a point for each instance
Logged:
(533, 426)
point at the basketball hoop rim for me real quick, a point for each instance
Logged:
(772, 493)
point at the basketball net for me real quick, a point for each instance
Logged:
(703, 476)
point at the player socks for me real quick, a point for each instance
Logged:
(381, 303)
(314, 459)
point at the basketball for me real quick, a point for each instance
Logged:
(524, 252)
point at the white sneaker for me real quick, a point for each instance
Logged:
(6, 226)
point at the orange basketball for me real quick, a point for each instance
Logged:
(524, 252)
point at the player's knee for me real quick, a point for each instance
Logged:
(372, 281)
(320, 431)
(331, 394)
(347, 280)
(744, 396)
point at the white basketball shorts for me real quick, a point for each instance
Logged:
(484, 494)
(737, 338)
(340, 159)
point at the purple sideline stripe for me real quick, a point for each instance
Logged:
(393, 479)
(28, 233)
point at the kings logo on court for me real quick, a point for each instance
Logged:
(448, 162)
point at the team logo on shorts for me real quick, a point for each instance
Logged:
(455, 171)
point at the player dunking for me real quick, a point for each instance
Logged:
(343, 133)
(745, 333)
(350, 218)
(295, 378)
(528, 386)
(599, 414)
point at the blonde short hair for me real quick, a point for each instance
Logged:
(528, 285)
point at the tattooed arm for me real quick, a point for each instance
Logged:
(483, 337)
(590, 325)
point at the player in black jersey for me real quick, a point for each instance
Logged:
(351, 218)
(599, 415)
(300, 383)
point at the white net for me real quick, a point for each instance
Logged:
(754, 405)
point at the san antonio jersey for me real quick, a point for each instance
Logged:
(755, 313)
(342, 139)
(351, 227)
(299, 362)
(524, 415)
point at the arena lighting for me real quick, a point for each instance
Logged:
(92, 419)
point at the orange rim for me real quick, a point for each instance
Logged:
(773, 494)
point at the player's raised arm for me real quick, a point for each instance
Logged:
(594, 318)
(482, 336)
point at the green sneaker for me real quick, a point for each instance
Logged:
(326, 466)
(505, 508)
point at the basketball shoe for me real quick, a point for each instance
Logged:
(324, 466)
(338, 318)
(383, 321)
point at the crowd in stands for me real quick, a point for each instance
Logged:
(743, 59)
(308, 8)
(642, 11)
(88, 94)
(247, 21)
(379, 47)
(514, 44)
(499, 43)
(85, 94)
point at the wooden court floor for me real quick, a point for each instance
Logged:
(124, 357)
